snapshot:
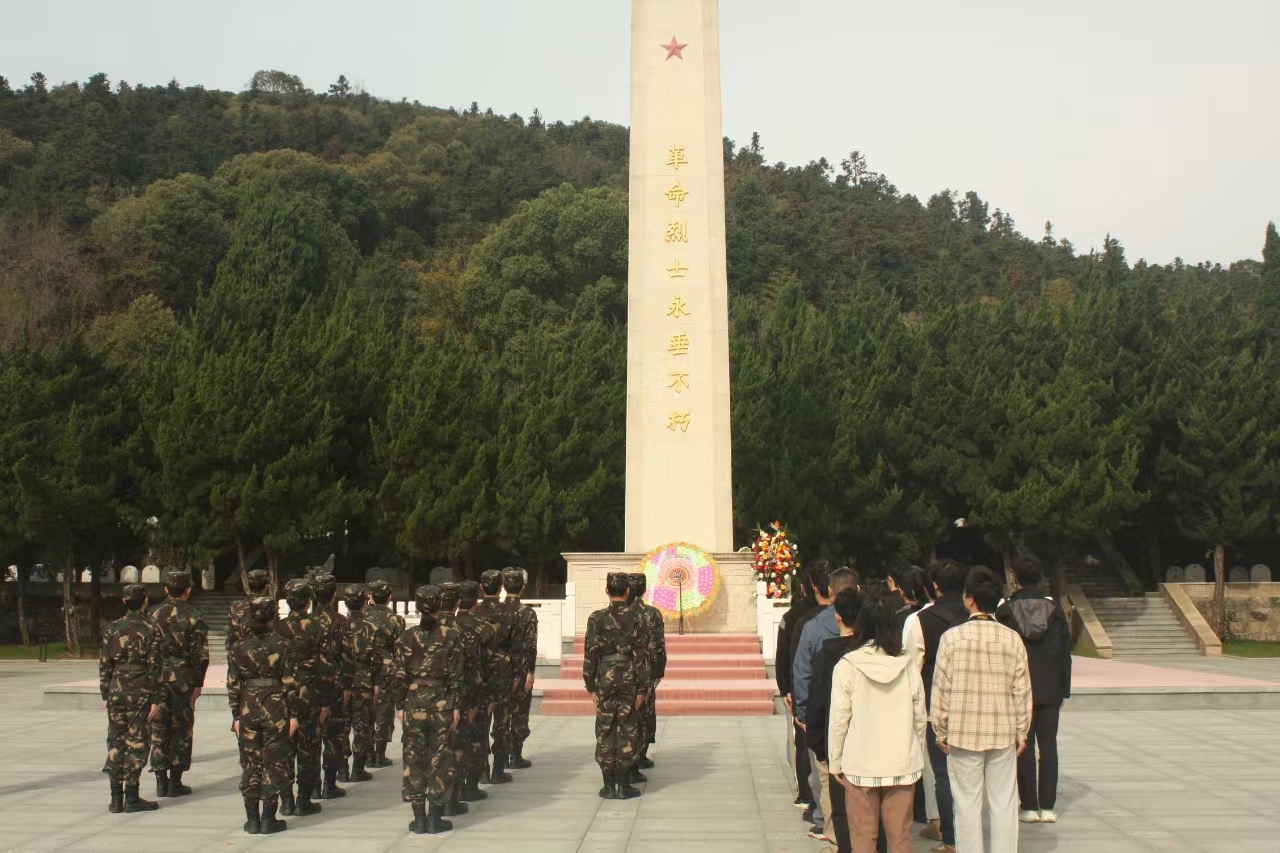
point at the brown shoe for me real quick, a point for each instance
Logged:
(943, 848)
(932, 830)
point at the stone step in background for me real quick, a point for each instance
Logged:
(1143, 626)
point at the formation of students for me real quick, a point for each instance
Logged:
(925, 698)
(314, 694)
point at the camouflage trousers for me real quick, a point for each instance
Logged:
(361, 713)
(502, 741)
(127, 739)
(266, 758)
(473, 740)
(171, 732)
(649, 722)
(519, 727)
(306, 749)
(429, 766)
(384, 718)
(336, 736)
(617, 731)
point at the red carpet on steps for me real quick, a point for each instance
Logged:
(707, 675)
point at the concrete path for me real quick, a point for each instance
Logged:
(1136, 781)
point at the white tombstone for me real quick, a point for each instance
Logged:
(11, 574)
(86, 576)
(1175, 574)
(1195, 573)
(208, 578)
(1238, 574)
(151, 574)
(1260, 574)
(129, 574)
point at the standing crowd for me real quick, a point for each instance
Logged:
(928, 698)
(314, 694)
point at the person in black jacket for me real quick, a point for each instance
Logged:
(947, 611)
(802, 605)
(847, 604)
(1044, 629)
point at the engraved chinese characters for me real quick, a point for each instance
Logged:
(678, 232)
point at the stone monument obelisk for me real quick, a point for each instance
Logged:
(679, 453)
(679, 486)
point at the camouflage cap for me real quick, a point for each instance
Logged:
(427, 598)
(297, 591)
(135, 593)
(262, 610)
(617, 583)
(354, 594)
(468, 591)
(491, 582)
(380, 590)
(513, 579)
(257, 579)
(449, 594)
(325, 585)
(177, 580)
(639, 582)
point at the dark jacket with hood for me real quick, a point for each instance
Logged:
(946, 613)
(785, 650)
(1043, 628)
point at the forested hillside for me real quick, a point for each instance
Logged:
(231, 322)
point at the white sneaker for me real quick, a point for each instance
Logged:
(1048, 816)
(1030, 817)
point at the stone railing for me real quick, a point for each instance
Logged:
(1190, 618)
(1086, 627)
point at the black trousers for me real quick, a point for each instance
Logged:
(946, 805)
(1044, 737)
(802, 768)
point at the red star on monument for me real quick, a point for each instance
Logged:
(674, 49)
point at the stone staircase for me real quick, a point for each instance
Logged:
(213, 607)
(1098, 580)
(707, 675)
(1143, 626)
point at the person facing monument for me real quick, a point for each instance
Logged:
(183, 642)
(611, 670)
(237, 617)
(129, 680)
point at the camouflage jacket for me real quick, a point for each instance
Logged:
(129, 665)
(642, 651)
(262, 679)
(183, 642)
(524, 637)
(237, 621)
(309, 645)
(361, 657)
(610, 663)
(503, 619)
(427, 670)
(388, 626)
(657, 641)
(478, 639)
(335, 625)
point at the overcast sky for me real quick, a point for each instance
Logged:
(1153, 120)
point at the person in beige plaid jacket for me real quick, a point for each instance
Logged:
(981, 711)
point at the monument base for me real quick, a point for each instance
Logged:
(732, 612)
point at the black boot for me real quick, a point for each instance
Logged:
(636, 776)
(176, 788)
(358, 773)
(162, 783)
(518, 761)
(134, 803)
(288, 807)
(623, 786)
(331, 791)
(607, 792)
(497, 776)
(344, 773)
(435, 822)
(644, 762)
(269, 823)
(380, 756)
(117, 798)
(253, 822)
(471, 792)
(305, 806)
(418, 826)
(455, 806)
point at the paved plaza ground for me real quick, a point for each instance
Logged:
(1135, 781)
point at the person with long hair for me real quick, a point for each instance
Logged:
(876, 728)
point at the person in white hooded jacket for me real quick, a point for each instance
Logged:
(876, 728)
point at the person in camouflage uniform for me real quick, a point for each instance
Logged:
(257, 580)
(611, 669)
(129, 679)
(503, 698)
(390, 626)
(183, 644)
(309, 644)
(262, 689)
(362, 660)
(656, 633)
(337, 746)
(479, 641)
(524, 659)
(448, 604)
(426, 687)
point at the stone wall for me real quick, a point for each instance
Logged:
(1253, 609)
